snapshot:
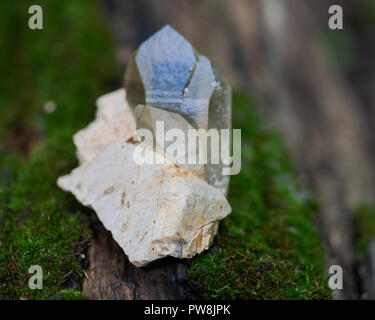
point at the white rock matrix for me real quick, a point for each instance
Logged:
(154, 210)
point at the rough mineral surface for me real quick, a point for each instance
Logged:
(167, 73)
(114, 122)
(152, 210)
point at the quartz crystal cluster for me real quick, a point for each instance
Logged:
(163, 209)
(167, 73)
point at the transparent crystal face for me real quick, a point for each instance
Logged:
(174, 147)
(167, 73)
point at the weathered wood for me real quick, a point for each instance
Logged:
(112, 276)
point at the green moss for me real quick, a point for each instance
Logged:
(364, 222)
(71, 62)
(367, 15)
(268, 246)
(68, 295)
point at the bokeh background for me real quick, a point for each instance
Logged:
(313, 85)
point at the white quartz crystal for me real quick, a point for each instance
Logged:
(147, 118)
(166, 72)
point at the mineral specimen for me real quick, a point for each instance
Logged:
(164, 208)
(152, 210)
(167, 73)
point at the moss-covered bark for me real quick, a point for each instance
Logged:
(71, 62)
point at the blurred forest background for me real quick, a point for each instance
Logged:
(313, 85)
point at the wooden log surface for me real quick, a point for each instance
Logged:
(112, 276)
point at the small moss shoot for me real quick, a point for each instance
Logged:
(69, 294)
